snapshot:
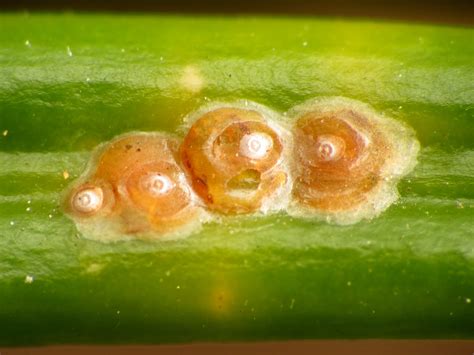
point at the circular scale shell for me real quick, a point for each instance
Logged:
(339, 179)
(147, 190)
(348, 159)
(92, 198)
(234, 157)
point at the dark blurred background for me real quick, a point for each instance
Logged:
(454, 12)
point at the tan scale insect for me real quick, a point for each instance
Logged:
(347, 160)
(134, 186)
(237, 158)
(340, 162)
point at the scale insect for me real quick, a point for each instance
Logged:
(336, 160)
(147, 196)
(237, 158)
(347, 160)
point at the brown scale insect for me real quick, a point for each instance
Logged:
(234, 159)
(136, 183)
(348, 159)
(341, 163)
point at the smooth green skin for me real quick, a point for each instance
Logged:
(406, 274)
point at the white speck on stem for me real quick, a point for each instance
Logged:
(94, 268)
(28, 209)
(69, 52)
(12, 223)
(292, 304)
(5, 133)
(192, 79)
(28, 44)
(468, 300)
(29, 279)
(305, 44)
